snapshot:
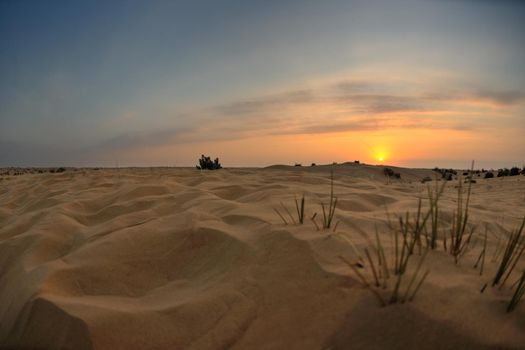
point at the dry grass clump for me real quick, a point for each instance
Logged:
(328, 210)
(328, 213)
(300, 212)
(518, 293)
(405, 285)
(482, 254)
(458, 239)
(513, 251)
(434, 194)
(414, 236)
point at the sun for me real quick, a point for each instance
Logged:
(380, 154)
(380, 157)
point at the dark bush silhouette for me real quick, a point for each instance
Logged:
(390, 173)
(503, 172)
(514, 171)
(208, 164)
(313, 164)
(298, 164)
(446, 173)
(356, 162)
(489, 175)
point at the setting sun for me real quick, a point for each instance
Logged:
(380, 154)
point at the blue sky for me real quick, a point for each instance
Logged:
(261, 82)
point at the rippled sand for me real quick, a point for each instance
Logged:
(182, 259)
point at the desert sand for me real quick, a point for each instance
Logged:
(176, 258)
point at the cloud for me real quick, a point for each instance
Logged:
(503, 98)
(145, 139)
(377, 104)
(30, 154)
(343, 106)
(266, 103)
(340, 107)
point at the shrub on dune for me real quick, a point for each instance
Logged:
(503, 172)
(206, 163)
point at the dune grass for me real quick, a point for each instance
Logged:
(458, 239)
(434, 195)
(328, 213)
(407, 242)
(405, 238)
(482, 254)
(300, 209)
(410, 234)
(364, 281)
(300, 212)
(512, 253)
(518, 293)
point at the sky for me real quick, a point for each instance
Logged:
(158, 83)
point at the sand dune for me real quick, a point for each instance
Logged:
(182, 259)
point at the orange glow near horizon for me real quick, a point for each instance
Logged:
(406, 145)
(380, 154)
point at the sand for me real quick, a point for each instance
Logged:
(169, 258)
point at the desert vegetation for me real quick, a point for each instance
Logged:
(205, 163)
(414, 237)
(390, 173)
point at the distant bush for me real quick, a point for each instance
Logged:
(313, 164)
(503, 172)
(489, 175)
(514, 171)
(60, 170)
(426, 179)
(356, 162)
(298, 164)
(208, 164)
(446, 174)
(390, 173)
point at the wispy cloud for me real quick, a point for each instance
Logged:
(338, 107)
(343, 106)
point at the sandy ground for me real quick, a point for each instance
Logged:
(183, 259)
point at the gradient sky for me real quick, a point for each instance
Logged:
(419, 83)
